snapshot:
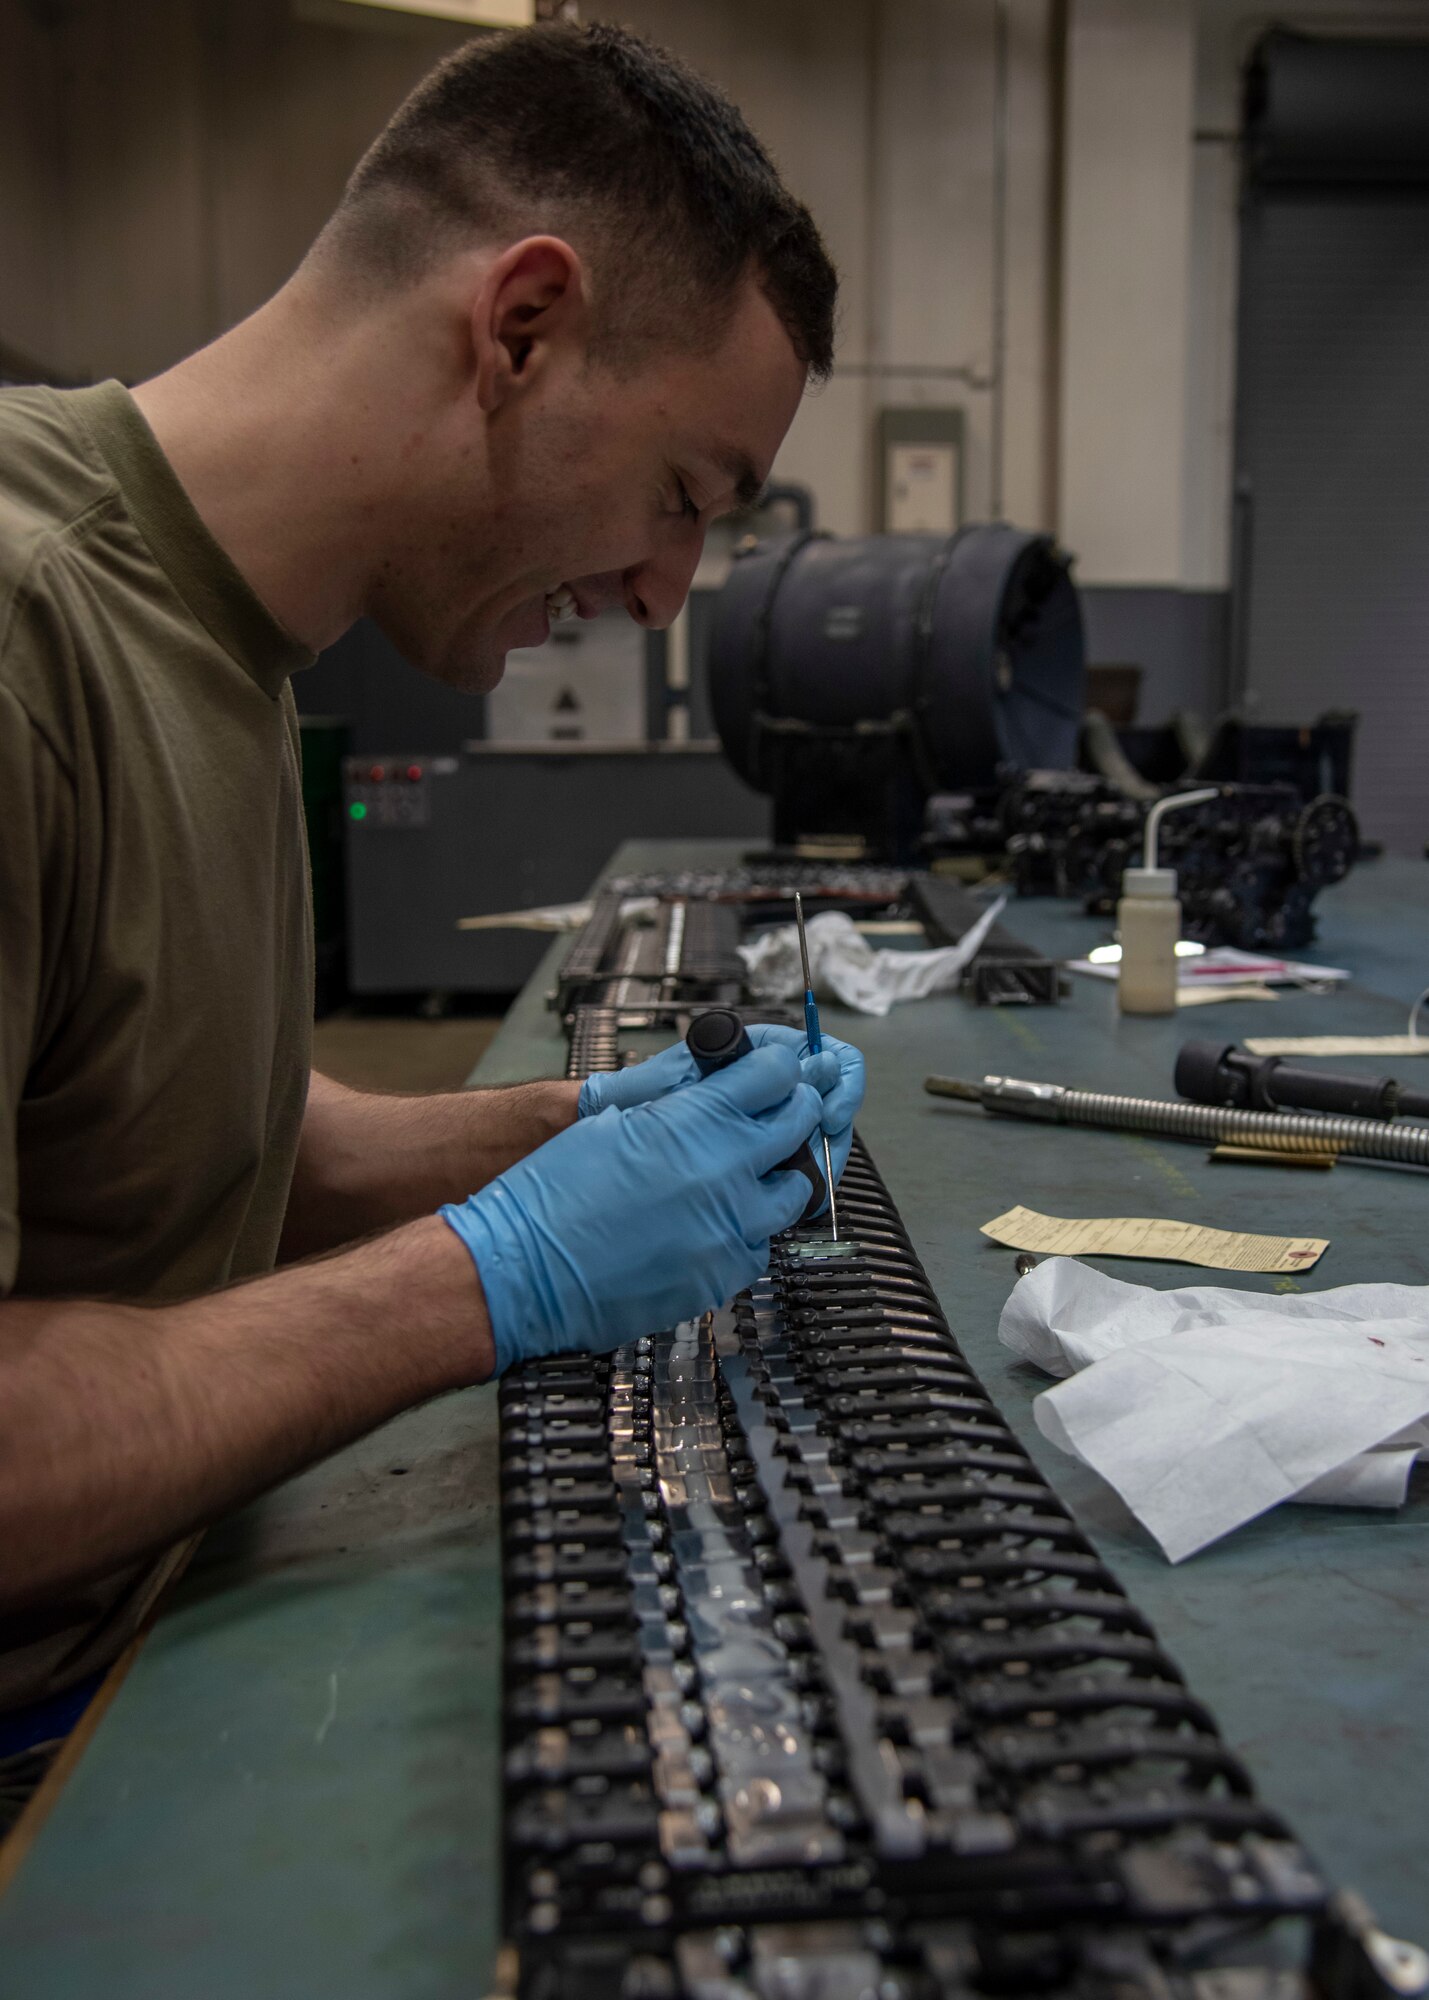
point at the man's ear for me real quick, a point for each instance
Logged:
(532, 296)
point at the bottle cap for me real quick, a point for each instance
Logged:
(1148, 882)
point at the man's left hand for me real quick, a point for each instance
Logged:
(837, 1073)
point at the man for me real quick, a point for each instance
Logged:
(562, 317)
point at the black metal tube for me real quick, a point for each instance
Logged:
(1222, 1073)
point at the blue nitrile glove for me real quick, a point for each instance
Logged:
(836, 1073)
(625, 1224)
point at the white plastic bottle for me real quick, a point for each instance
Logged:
(1148, 920)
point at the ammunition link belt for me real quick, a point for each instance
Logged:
(815, 1691)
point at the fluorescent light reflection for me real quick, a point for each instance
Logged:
(1110, 954)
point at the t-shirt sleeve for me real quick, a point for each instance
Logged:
(36, 825)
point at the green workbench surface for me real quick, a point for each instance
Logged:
(295, 1792)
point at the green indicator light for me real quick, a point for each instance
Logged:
(358, 809)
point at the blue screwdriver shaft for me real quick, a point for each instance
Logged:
(816, 1047)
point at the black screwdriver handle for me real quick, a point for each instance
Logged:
(718, 1038)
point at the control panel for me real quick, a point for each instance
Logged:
(391, 792)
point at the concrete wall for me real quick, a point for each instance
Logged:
(163, 163)
(1150, 254)
(194, 147)
(881, 116)
(1130, 84)
(30, 236)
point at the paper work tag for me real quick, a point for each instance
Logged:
(1210, 996)
(1150, 1236)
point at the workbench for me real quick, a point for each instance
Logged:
(295, 1791)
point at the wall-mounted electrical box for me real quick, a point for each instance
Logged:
(920, 471)
(586, 684)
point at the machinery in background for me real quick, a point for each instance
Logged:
(431, 840)
(658, 948)
(1314, 757)
(652, 967)
(850, 680)
(1249, 863)
(897, 698)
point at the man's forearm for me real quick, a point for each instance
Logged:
(367, 1161)
(123, 1428)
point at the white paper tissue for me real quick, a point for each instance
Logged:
(845, 964)
(1204, 1407)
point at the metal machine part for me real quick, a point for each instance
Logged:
(1314, 758)
(1249, 862)
(764, 883)
(1006, 972)
(797, 1636)
(815, 1691)
(850, 679)
(1202, 1124)
(1222, 1073)
(651, 967)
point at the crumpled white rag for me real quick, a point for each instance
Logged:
(843, 963)
(1204, 1407)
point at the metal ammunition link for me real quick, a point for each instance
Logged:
(815, 1690)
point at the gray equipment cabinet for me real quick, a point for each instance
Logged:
(433, 839)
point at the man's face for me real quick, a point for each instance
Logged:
(602, 483)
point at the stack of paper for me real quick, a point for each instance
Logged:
(1221, 966)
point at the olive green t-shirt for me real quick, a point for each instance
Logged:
(155, 940)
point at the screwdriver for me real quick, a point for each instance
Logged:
(717, 1038)
(816, 1047)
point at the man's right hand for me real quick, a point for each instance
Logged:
(629, 1222)
(124, 1427)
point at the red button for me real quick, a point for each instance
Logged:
(377, 774)
(414, 772)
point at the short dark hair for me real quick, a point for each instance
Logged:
(593, 133)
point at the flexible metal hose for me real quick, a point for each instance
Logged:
(1289, 1131)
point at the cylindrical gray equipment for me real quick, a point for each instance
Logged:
(890, 664)
(1285, 1131)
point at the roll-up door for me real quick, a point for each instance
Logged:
(1332, 429)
